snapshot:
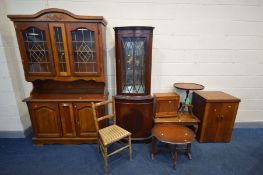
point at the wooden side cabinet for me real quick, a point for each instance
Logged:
(217, 112)
(166, 104)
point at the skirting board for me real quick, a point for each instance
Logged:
(258, 124)
(16, 134)
(23, 134)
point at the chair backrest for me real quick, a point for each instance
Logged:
(97, 118)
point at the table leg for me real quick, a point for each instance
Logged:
(153, 149)
(195, 127)
(189, 154)
(174, 155)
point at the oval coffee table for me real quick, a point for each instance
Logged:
(173, 135)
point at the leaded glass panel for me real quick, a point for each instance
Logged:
(60, 49)
(133, 69)
(84, 49)
(37, 52)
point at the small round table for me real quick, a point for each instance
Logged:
(187, 87)
(174, 135)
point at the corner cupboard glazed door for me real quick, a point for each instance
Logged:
(83, 42)
(35, 47)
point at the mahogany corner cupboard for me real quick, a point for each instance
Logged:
(134, 103)
(63, 55)
(217, 112)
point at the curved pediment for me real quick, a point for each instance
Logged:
(54, 14)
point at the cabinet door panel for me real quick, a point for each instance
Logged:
(35, 47)
(83, 42)
(166, 108)
(67, 120)
(85, 122)
(211, 122)
(162, 108)
(226, 121)
(45, 120)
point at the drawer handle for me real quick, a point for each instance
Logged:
(65, 104)
(215, 110)
(170, 102)
(229, 106)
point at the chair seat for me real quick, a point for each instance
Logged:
(112, 134)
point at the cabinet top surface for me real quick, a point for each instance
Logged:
(217, 96)
(171, 94)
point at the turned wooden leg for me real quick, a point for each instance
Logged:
(153, 149)
(189, 154)
(98, 142)
(105, 155)
(130, 148)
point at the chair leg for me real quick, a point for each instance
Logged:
(105, 155)
(98, 142)
(130, 148)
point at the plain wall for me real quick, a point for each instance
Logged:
(218, 43)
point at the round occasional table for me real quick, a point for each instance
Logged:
(173, 135)
(187, 87)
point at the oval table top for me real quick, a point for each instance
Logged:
(173, 133)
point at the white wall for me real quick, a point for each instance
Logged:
(218, 43)
(13, 113)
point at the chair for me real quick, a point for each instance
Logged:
(110, 134)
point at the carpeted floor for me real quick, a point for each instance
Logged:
(243, 156)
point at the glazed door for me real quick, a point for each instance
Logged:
(35, 48)
(85, 126)
(83, 42)
(60, 49)
(132, 65)
(45, 119)
(67, 119)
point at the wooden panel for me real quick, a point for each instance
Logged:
(166, 104)
(227, 119)
(211, 122)
(136, 116)
(45, 119)
(67, 119)
(84, 120)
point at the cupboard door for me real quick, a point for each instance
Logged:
(35, 47)
(45, 119)
(226, 121)
(60, 49)
(211, 122)
(85, 125)
(83, 42)
(67, 120)
(162, 108)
